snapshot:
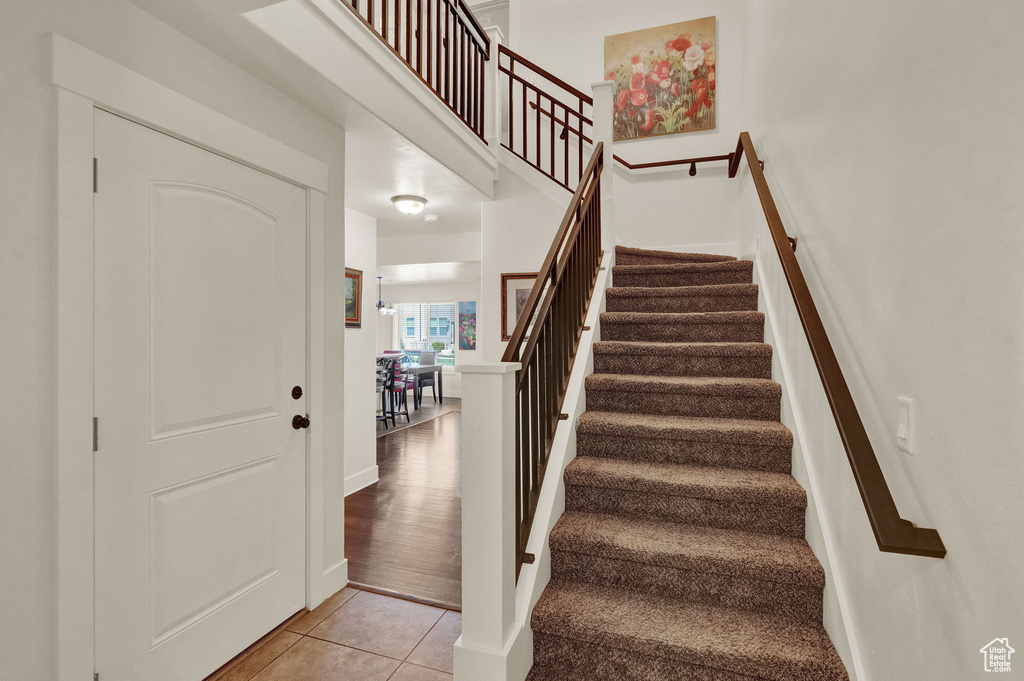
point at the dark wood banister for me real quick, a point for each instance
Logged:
(546, 74)
(547, 268)
(677, 162)
(893, 533)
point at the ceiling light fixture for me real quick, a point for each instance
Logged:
(410, 205)
(382, 307)
(431, 218)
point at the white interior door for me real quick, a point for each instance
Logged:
(200, 338)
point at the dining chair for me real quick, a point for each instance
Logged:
(399, 393)
(385, 386)
(423, 380)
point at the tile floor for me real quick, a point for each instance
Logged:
(356, 636)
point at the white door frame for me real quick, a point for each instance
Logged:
(85, 81)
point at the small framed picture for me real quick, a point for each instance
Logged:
(353, 298)
(515, 291)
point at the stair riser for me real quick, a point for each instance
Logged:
(645, 259)
(684, 365)
(766, 517)
(683, 332)
(730, 276)
(685, 404)
(572, 660)
(661, 450)
(682, 303)
(694, 586)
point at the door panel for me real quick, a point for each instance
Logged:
(200, 336)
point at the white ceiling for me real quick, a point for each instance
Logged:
(380, 163)
(430, 273)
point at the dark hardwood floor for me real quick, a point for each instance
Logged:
(427, 411)
(403, 534)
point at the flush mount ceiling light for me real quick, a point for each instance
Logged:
(431, 218)
(410, 205)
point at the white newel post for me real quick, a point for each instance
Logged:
(488, 521)
(494, 99)
(604, 99)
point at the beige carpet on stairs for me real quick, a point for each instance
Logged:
(681, 553)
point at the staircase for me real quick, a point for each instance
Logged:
(681, 553)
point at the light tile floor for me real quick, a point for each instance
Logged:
(356, 636)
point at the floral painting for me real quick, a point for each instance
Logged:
(467, 325)
(353, 297)
(664, 79)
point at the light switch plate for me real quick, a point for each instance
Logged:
(906, 425)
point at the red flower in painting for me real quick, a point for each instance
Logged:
(638, 97)
(635, 59)
(621, 100)
(636, 82)
(648, 119)
(680, 44)
(662, 70)
(674, 89)
(698, 84)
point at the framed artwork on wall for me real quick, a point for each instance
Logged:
(515, 291)
(467, 325)
(353, 298)
(664, 79)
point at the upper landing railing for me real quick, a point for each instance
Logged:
(441, 42)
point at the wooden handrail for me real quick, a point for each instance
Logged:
(545, 145)
(546, 74)
(677, 162)
(547, 268)
(892, 533)
(554, 313)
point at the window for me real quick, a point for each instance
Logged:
(428, 327)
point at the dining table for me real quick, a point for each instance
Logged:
(417, 369)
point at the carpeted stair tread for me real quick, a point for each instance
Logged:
(682, 480)
(630, 255)
(672, 268)
(666, 349)
(638, 318)
(709, 290)
(696, 548)
(684, 274)
(741, 642)
(738, 431)
(699, 385)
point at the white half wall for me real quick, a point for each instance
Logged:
(360, 355)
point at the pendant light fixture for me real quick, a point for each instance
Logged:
(382, 307)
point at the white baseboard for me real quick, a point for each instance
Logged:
(356, 482)
(335, 578)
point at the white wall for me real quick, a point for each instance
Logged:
(669, 210)
(454, 292)
(517, 229)
(120, 31)
(893, 146)
(360, 354)
(421, 248)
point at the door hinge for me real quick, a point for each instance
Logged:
(95, 434)
(95, 176)
(96, 676)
